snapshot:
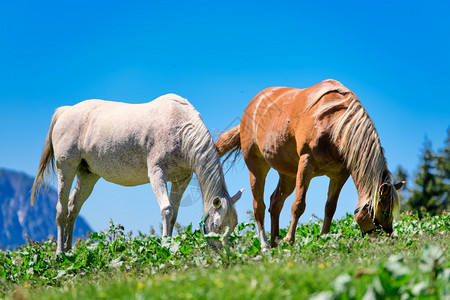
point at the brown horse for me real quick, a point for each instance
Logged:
(304, 133)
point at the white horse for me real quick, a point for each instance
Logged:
(132, 144)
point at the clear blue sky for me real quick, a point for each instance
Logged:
(395, 55)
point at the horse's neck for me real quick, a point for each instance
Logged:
(367, 185)
(210, 177)
(200, 152)
(363, 193)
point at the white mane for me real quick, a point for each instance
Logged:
(202, 155)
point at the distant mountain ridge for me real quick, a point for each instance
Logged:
(18, 218)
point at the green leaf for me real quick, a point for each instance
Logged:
(60, 274)
(342, 283)
(432, 257)
(174, 246)
(396, 266)
(419, 288)
(327, 295)
(116, 263)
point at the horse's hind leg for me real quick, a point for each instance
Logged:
(304, 176)
(69, 207)
(85, 183)
(285, 187)
(258, 169)
(334, 189)
(66, 173)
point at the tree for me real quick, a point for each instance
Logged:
(401, 175)
(431, 190)
(443, 171)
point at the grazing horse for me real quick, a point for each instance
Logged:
(133, 144)
(304, 133)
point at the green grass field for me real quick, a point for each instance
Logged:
(411, 264)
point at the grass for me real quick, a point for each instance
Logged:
(342, 265)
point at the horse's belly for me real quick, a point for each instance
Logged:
(129, 173)
(282, 157)
(121, 174)
(284, 166)
(127, 181)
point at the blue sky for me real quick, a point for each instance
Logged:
(395, 55)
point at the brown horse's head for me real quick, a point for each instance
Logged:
(379, 213)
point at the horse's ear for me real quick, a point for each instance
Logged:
(399, 185)
(217, 202)
(384, 188)
(236, 197)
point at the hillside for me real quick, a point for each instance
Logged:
(410, 264)
(18, 218)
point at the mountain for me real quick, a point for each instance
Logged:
(18, 218)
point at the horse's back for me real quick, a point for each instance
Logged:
(279, 124)
(266, 129)
(108, 119)
(115, 138)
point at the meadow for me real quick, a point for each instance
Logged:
(410, 264)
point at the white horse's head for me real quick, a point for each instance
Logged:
(221, 218)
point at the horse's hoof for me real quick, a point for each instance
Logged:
(258, 258)
(288, 240)
(265, 247)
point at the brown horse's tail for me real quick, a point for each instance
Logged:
(229, 142)
(46, 166)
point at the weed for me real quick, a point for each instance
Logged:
(341, 265)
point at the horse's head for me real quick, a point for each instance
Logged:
(380, 212)
(220, 216)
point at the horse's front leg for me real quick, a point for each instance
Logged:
(159, 185)
(176, 192)
(334, 190)
(304, 174)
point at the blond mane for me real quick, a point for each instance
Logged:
(358, 141)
